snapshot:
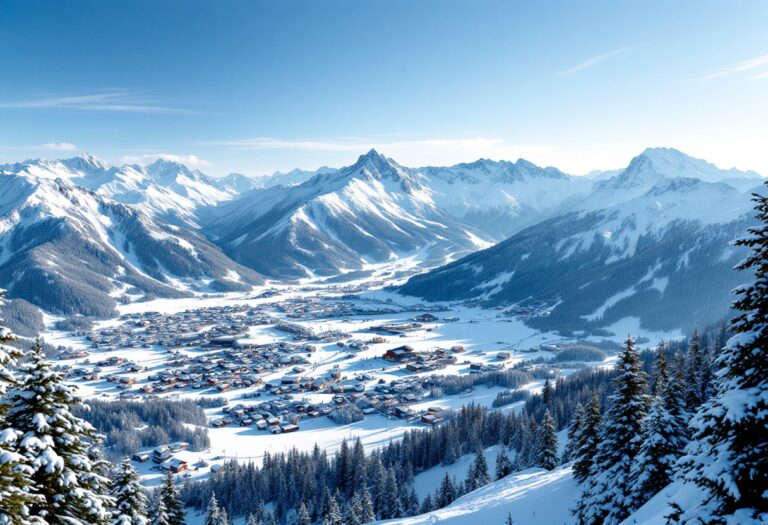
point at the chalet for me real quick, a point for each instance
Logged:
(290, 428)
(178, 465)
(161, 454)
(140, 457)
(425, 318)
(399, 354)
(178, 446)
(457, 349)
(430, 419)
(503, 355)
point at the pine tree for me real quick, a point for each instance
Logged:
(427, 505)
(663, 439)
(447, 492)
(224, 518)
(509, 521)
(727, 455)
(366, 507)
(352, 512)
(15, 483)
(694, 364)
(333, 515)
(253, 520)
(547, 453)
(170, 497)
(159, 514)
(392, 505)
(130, 501)
(503, 464)
(606, 497)
(547, 393)
(213, 513)
(573, 431)
(379, 487)
(302, 515)
(586, 440)
(59, 447)
(660, 370)
(478, 473)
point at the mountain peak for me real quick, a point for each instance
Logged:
(167, 169)
(85, 163)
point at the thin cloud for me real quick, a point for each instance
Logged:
(740, 66)
(417, 152)
(591, 62)
(191, 161)
(58, 146)
(116, 101)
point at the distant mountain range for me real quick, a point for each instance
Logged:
(651, 242)
(72, 250)
(575, 253)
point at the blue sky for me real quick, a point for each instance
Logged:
(255, 86)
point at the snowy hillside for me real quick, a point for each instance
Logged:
(532, 497)
(646, 244)
(69, 250)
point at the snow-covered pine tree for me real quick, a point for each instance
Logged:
(15, 482)
(446, 493)
(130, 506)
(606, 496)
(660, 370)
(547, 453)
(727, 455)
(573, 431)
(478, 473)
(392, 505)
(170, 496)
(333, 516)
(58, 446)
(352, 511)
(213, 513)
(662, 441)
(366, 507)
(302, 515)
(586, 440)
(224, 518)
(427, 504)
(694, 364)
(503, 464)
(547, 393)
(159, 515)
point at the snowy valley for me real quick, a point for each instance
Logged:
(366, 312)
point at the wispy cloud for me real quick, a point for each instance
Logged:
(58, 146)
(591, 62)
(416, 152)
(741, 66)
(191, 161)
(117, 101)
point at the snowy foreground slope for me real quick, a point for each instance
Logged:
(532, 497)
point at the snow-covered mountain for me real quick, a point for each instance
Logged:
(372, 211)
(501, 197)
(291, 178)
(70, 250)
(651, 242)
(164, 189)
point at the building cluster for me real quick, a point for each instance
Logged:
(163, 457)
(285, 414)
